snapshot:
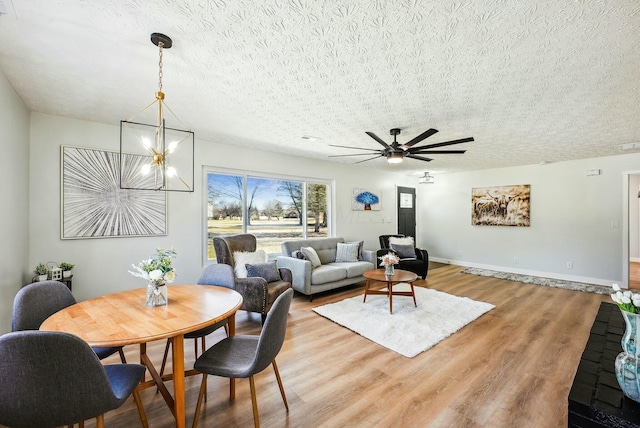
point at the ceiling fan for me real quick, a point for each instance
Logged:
(396, 152)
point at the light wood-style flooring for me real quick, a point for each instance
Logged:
(512, 367)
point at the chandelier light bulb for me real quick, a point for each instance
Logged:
(146, 169)
(171, 172)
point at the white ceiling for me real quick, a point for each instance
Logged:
(530, 80)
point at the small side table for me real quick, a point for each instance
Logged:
(398, 277)
(68, 282)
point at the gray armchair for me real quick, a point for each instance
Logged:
(258, 295)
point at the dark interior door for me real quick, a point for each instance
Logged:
(407, 211)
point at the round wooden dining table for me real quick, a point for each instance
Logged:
(122, 318)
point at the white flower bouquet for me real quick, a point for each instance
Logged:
(626, 300)
(389, 259)
(158, 269)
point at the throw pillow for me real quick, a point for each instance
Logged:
(297, 254)
(347, 252)
(268, 271)
(408, 240)
(404, 251)
(360, 245)
(241, 258)
(310, 254)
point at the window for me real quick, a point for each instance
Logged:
(274, 209)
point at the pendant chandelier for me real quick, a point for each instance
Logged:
(156, 156)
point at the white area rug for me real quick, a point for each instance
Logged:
(409, 330)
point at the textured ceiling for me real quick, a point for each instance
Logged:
(531, 81)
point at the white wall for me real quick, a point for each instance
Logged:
(14, 175)
(634, 218)
(571, 220)
(102, 264)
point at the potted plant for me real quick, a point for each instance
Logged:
(41, 272)
(66, 269)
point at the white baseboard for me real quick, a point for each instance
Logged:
(634, 259)
(553, 275)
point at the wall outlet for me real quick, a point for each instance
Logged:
(516, 260)
(569, 265)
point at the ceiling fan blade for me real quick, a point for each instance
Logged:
(439, 152)
(355, 154)
(375, 157)
(378, 139)
(419, 157)
(357, 148)
(426, 134)
(446, 143)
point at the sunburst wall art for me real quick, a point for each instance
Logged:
(94, 206)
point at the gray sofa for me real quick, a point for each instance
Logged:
(330, 274)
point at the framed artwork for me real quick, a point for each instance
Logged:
(406, 200)
(500, 205)
(365, 200)
(94, 206)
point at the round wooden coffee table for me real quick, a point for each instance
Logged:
(397, 277)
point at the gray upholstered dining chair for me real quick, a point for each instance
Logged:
(36, 302)
(214, 274)
(257, 293)
(244, 356)
(53, 379)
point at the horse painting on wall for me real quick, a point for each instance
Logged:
(500, 205)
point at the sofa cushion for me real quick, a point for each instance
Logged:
(241, 258)
(354, 269)
(404, 251)
(347, 252)
(327, 273)
(268, 271)
(310, 254)
(360, 247)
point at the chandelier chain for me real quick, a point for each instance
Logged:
(160, 45)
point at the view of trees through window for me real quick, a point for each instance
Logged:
(272, 209)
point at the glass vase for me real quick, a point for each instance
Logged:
(156, 295)
(627, 369)
(388, 270)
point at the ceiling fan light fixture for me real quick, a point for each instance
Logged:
(395, 157)
(426, 179)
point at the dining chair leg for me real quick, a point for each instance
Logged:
(100, 421)
(141, 412)
(203, 347)
(284, 397)
(122, 357)
(203, 388)
(164, 357)
(254, 402)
